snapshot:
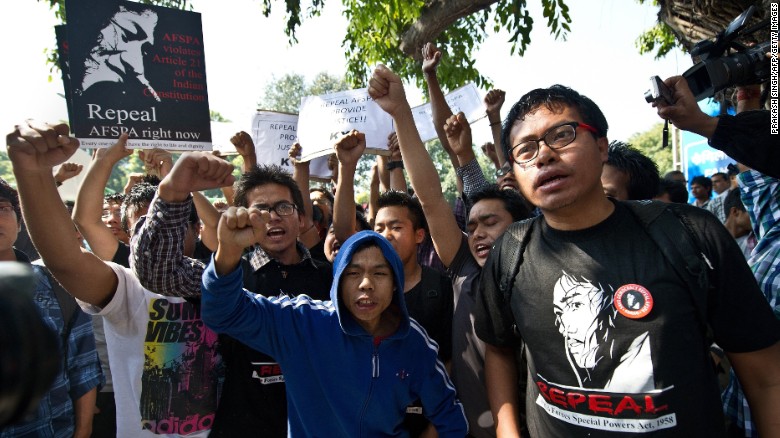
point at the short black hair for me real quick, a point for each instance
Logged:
(703, 181)
(10, 193)
(643, 178)
(514, 203)
(114, 198)
(325, 192)
(720, 174)
(140, 197)
(733, 200)
(262, 175)
(554, 99)
(676, 190)
(395, 198)
(671, 174)
(362, 223)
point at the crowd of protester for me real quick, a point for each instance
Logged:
(543, 304)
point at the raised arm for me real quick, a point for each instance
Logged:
(88, 211)
(34, 149)
(157, 162)
(397, 178)
(459, 137)
(494, 100)
(67, 171)
(209, 215)
(386, 89)
(157, 247)
(349, 149)
(309, 236)
(440, 110)
(246, 148)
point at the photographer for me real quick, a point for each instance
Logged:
(746, 137)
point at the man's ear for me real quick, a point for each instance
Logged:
(603, 144)
(419, 235)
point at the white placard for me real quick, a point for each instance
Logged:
(273, 134)
(465, 98)
(323, 119)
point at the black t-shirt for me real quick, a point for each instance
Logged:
(254, 402)
(122, 255)
(611, 331)
(430, 303)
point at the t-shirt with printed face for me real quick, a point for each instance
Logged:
(612, 336)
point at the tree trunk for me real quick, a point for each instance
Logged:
(696, 20)
(435, 17)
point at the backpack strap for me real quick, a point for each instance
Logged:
(673, 234)
(517, 236)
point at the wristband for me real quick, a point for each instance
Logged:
(395, 165)
(748, 93)
(495, 123)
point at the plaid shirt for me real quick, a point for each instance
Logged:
(157, 251)
(55, 416)
(473, 181)
(761, 196)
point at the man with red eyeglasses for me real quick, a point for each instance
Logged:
(615, 338)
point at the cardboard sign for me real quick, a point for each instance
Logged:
(138, 69)
(465, 98)
(274, 133)
(323, 119)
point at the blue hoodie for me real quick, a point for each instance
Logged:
(341, 382)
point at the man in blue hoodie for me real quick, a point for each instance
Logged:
(351, 364)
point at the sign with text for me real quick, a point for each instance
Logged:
(274, 134)
(323, 119)
(465, 99)
(138, 69)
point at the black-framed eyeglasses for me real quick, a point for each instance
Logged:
(555, 138)
(282, 208)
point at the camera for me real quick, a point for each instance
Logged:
(658, 91)
(717, 71)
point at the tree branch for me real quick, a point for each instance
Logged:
(437, 16)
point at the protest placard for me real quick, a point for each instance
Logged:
(323, 119)
(61, 33)
(221, 133)
(138, 69)
(274, 133)
(465, 99)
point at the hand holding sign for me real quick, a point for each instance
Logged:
(157, 162)
(295, 154)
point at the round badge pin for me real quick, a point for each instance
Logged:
(633, 301)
